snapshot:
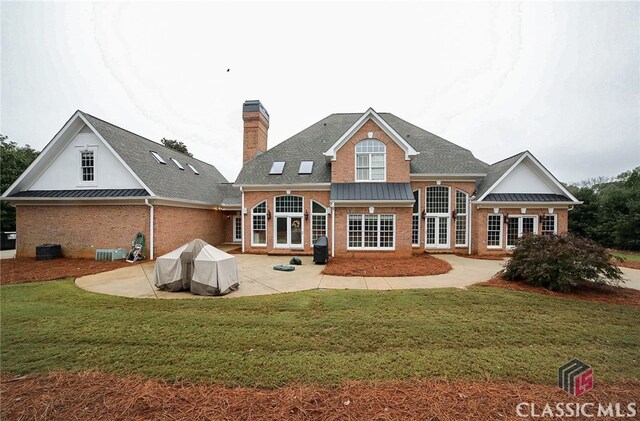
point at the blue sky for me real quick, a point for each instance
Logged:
(559, 79)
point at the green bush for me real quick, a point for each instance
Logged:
(561, 263)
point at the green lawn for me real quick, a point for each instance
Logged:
(322, 337)
(627, 256)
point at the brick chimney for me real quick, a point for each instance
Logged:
(256, 125)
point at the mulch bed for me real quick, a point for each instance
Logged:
(97, 396)
(20, 270)
(627, 264)
(416, 265)
(600, 294)
(485, 257)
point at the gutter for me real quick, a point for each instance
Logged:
(151, 223)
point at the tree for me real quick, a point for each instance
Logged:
(176, 145)
(14, 160)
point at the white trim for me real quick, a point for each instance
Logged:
(243, 215)
(80, 150)
(520, 217)
(501, 237)
(288, 216)
(533, 159)
(367, 203)
(330, 154)
(370, 168)
(363, 248)
(416, 245)
(437, 217)
(118, 157)
(536, 205)
(311, 214)
(266, 224)
(235, 219)
(466, 214)
(555, 223)
(446, 177)
(285, 187)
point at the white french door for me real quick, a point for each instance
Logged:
(288, 231)
(237, 229)
(437, 232)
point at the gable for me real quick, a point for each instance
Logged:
(525, 178)
(371, 116)
(64, 172)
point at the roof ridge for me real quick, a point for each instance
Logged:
(147, 139)
(509, 157)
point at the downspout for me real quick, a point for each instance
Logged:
(146, 202)
(333, 230)
(243, 220)
(469, 222)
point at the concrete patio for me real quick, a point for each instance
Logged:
(259, 278)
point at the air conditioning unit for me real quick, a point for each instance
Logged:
(111, 254)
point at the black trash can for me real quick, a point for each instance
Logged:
(8, 240)
(48, 251)
(321, 250)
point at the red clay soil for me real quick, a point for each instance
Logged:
(97, 396)
(416, 265)
(20, 270)
(627, 264)
(600, 294)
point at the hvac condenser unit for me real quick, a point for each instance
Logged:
(110, 254)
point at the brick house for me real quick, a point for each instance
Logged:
(374, 183)
(95, 185)
(371, 182)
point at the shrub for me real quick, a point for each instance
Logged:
(561, 263)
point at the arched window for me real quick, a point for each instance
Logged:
(437, 217)
(462, 206)
(318, 221)
(371, 160)
(259, 224)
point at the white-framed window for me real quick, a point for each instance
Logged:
(318, 221)
(237, 228)
(437, 207)
(520, 225)
(494, 231)
(549, 225)
(288, 226)
(88, 167)
(371, 232)
(415, 223)
(462, 205)
(259, 224)
(371, 161)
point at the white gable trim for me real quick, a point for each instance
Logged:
(46, 157)
(133, 174)
(538, 165)
(370, 114)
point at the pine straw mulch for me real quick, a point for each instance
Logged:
(596, 293)
(417, 265)
(98, 396)
(28, 269)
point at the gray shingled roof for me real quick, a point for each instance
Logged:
(165, 180)
(88, 193)
(495, 172)
(437, 156)
(526, 197)
(371, 191)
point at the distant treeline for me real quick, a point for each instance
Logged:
(610, 213)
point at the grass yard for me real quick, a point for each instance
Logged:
(317, 337)
(627, 255)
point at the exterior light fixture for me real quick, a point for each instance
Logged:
(306, 215)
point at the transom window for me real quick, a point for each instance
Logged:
(437, 200)
(371, 232)
(87, 164)
(370, 160)
(318, 221)
(288, 204)
(259, 224)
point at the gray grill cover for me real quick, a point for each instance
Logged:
(198, 267)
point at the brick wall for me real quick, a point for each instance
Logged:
(465, 186)
(343, 168)
(402, 228)
(480, 217)
(79, 229)
(251, 199)
(175, 226)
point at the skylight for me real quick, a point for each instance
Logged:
(306, 167)
(179, 165)
(277, 167)
(158, 157)
(193, 169)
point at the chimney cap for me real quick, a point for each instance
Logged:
(254, 105)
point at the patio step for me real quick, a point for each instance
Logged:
(289, 253)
